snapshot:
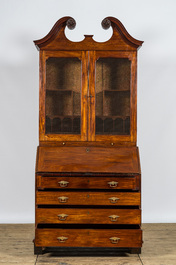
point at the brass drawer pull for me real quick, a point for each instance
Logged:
(62, 239)
(113, 217)
(63, 183)
(113, 199)
(63, 199)
(114, 240)
(113, 184)
(62, 217)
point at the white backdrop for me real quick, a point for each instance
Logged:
(23, 21)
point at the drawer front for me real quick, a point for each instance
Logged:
(88, 216)
(87, 182)
(87, 198)
(88, 238)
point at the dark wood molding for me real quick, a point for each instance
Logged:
(56, 39)
(115, 23)
(63, 22)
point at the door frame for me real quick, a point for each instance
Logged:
(93, 57)
(83, 56)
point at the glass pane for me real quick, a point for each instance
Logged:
(63, 96)
(112, 106)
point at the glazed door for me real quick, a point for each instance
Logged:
(88, 95)
(65, 90)
(111, 85)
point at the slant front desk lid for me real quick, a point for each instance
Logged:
(88, 159)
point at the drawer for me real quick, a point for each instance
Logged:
(88, 216)
(86, 182)
(125, 238)
(87, 198)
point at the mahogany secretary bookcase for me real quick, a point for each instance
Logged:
(88, 177)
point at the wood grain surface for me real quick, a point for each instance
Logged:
(89, 237)
(88, 216)
(91, 159)
(87, 198)
(55, 182)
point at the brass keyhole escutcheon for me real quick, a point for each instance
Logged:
(87, 150)
(87, 195)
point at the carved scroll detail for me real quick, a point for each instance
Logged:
(71, 23)
(106, 23)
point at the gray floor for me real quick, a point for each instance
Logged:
(159, 248)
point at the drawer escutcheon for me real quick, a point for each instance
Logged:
(113, 184)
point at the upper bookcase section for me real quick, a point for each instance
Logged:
(121, 40)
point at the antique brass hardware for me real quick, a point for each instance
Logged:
(62, 217)
(113, 217)
(113, 199)
(113, 184)
(62, 239)
(63, 183)
(63, 199)
(114, 240)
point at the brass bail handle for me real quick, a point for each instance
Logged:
(114, 239)
(63, 183)
(62, 217)
(113, 184)
(113, 199)
(62, 239)
(63, 199)
(113, 217)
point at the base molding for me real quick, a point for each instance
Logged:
(82, 251)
